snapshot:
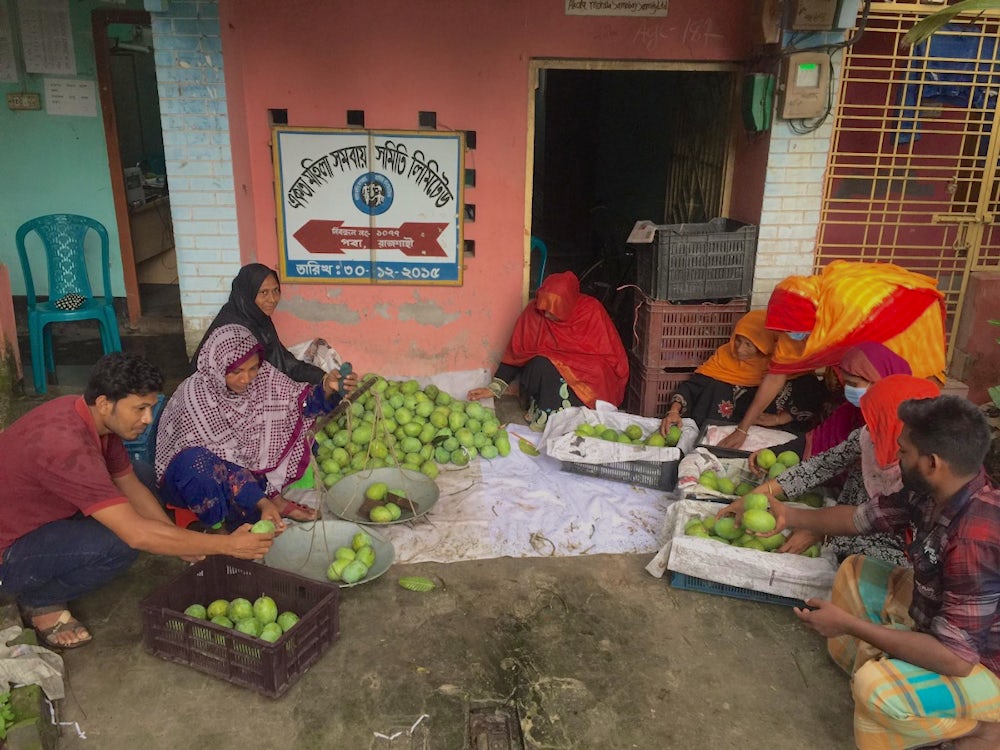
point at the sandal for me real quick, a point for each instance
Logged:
(66, 622)
(298, 511)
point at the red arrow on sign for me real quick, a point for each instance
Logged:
(412, 238)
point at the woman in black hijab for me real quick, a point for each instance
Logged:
(255, 295)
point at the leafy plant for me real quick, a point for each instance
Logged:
(6, 714)
(927, 26)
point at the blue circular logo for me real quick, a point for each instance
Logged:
(372, 193)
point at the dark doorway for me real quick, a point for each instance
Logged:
(612, 147)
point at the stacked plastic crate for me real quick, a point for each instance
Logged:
(695, 281)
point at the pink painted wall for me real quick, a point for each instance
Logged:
(976, 339)
(468, 61)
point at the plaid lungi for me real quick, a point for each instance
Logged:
(896, 704)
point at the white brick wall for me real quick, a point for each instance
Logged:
(195, 123)
(793, 192)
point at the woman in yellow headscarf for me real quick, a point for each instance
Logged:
(724, 387)
(821, 317)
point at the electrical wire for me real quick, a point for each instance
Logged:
(804, 127)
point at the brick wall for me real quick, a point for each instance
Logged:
(793, 193)
(195, 121)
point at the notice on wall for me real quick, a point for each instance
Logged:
(637, 8)
(372, 207)
(68, 97)
(47, 37)
(8, 67)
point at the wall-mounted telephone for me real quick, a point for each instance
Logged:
(804, 91)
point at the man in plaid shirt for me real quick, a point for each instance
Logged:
(922, 644)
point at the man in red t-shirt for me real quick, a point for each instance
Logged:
(73, 514)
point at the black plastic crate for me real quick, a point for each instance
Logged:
(709, 261)
(268, 668)
(658, 475)
(714, 449)
(691, 583)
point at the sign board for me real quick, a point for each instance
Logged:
(636, 8)
(371, 207)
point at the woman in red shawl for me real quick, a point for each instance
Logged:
(564, 351)
(848, 303)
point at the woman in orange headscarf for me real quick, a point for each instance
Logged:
(723, 387)
(822, 316)
(565, 351)
(869, 456)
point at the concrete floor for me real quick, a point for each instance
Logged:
(589, 652)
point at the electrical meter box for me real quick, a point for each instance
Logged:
(805, 86)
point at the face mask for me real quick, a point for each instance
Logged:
(798, 335)
(853, 394)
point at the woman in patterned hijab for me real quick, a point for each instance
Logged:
(235, 434)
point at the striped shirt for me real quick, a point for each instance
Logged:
(956, 564)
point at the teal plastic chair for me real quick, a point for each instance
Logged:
(62, 242)
(539, 246)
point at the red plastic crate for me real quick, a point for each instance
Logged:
(669, 335)
(268, 668)
(650, 388)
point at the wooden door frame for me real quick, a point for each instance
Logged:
(100, 20)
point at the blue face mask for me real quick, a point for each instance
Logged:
(853, 393)
(798, 335)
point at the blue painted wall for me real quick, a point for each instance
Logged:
(55, 163)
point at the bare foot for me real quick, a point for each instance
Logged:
(299, 512)
(986, 736)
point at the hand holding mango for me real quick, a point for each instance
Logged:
(766, 461)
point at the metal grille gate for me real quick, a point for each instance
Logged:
(912, 172)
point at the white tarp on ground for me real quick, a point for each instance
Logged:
(525, 506)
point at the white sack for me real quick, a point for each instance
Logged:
(792, 576)
(563, 444)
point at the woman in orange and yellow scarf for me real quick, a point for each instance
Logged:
(821, 317)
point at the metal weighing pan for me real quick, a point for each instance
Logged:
(307, 549)
(345, 498)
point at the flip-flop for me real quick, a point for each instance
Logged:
(66, 621)
(298, 511)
